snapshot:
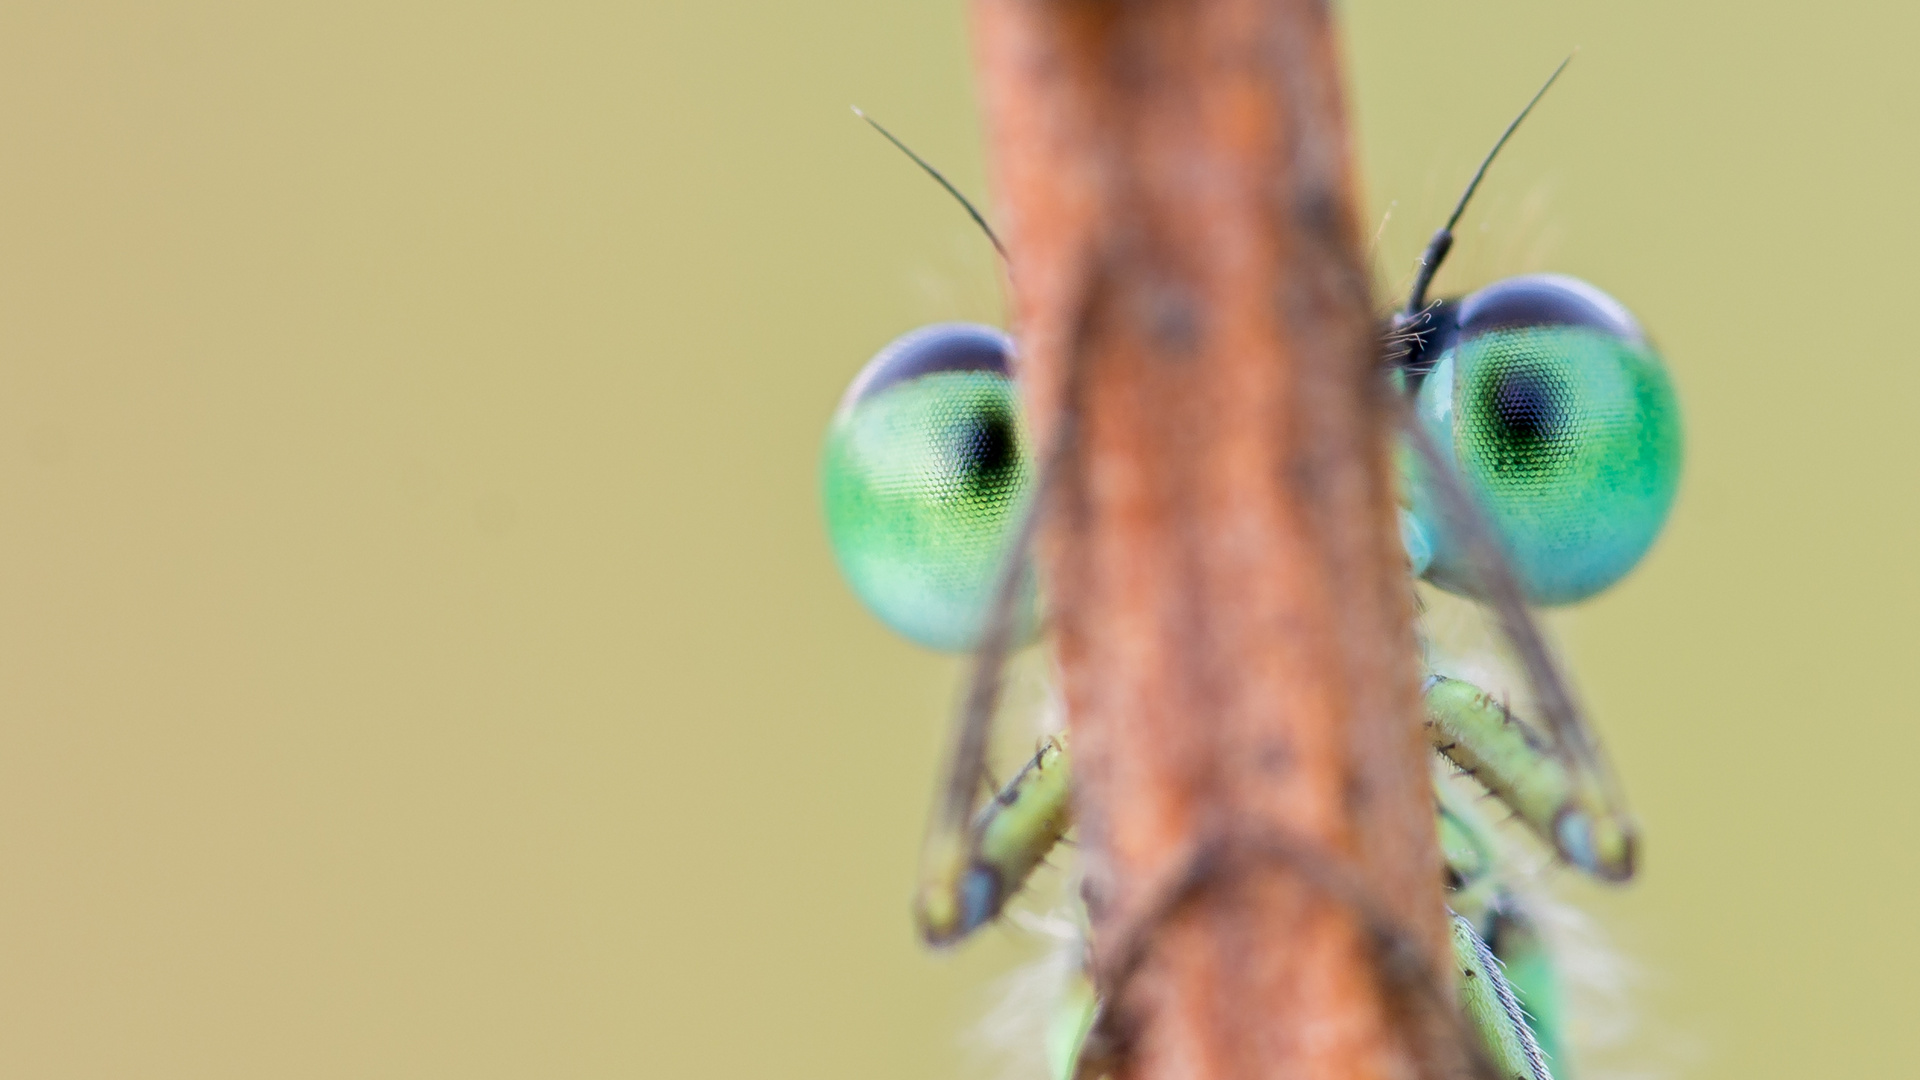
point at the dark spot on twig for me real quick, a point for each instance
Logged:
(1275, 758)
(1172, 320)
(1317, 209)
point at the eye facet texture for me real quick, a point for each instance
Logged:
(924, 476)
(1563, 422)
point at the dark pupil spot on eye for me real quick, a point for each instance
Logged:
(1527, 416)
(987, 452)
(1525, 408)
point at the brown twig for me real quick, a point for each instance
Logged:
(1220, 556)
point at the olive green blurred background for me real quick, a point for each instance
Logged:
(419, 656)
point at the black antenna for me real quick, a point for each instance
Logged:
(972, 211)
(1442, 241)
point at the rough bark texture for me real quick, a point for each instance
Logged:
(1220, 551)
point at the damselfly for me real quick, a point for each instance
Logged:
(1541, 451)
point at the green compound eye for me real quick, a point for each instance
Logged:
(924, 475)
(1562, 420)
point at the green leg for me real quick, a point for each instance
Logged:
(1471, 851)
(1494, 1009)
(1567, 805)
(976, 872)
(1536, 983)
